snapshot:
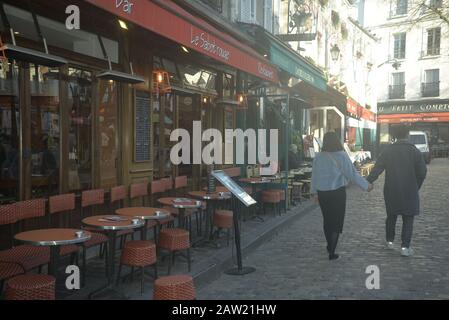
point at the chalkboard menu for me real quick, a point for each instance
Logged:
(142, 125)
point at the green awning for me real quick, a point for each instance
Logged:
(296, 66)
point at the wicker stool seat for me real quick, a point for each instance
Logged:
(272, 197)
(224, 219)
(138, 253)
(173, 240)
(31, 287)
(178, 287)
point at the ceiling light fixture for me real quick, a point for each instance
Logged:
(123, 24)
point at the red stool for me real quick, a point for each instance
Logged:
(271, 196)
(138, 254)
(174, 288)
(31, 287)
(224, 219)
(283, 197)
(173, 240)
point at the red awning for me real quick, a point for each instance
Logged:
(414, 117)
(173, 22)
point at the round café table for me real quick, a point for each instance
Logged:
(54, 239)
(181, 204)
(211, 200)
(254, 182)
(111, 224)
(146, 214)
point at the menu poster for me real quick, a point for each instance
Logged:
(232, 186)
(142, 126)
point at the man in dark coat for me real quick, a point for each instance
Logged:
(405, 171)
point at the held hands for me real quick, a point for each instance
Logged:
(315, 198)
(370, 187)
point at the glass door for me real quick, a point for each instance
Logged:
(80, 131)
(45, 130)
(9, 133)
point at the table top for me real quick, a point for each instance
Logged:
(53, 237)
(145, 213)
(186, 203)
(255, 180)
(101, 222)
(210, 196)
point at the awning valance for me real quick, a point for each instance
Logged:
(173, 22)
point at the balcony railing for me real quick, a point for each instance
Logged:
(430, 89)
(396, 91)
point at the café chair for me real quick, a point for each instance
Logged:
(138, 192)
(139, 254)
(179, 287)
(28, 257)
(9, 270)
(118, 196)
(31, 287)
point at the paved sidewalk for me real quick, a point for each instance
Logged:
(294, 264)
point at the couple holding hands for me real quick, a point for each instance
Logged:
(405, 171)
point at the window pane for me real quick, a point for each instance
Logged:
(9, 132)
(108, 131)
(44, 130)
(80, 135)
(401, 7)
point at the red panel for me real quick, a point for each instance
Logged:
(171, 21)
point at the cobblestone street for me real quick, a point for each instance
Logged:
(294, 263)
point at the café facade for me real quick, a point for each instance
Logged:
(94, 107)
(430, 116)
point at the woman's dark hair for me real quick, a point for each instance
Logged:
(331, 143)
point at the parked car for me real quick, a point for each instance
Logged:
(421, 141)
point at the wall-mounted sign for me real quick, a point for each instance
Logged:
(407, 107)
(125, 5)
(204, 41)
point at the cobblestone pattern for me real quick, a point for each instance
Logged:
(294, 264)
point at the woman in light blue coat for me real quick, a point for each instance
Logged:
(332, 172)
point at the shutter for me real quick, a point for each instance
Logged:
(245, 11)
(268, 19)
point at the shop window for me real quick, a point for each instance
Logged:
(9, 132)
(80, 134)
(198, 77)
(45, 129)
(228, 86)
(58, 35)
(108, 132)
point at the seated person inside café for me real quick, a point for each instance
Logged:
(293, 157)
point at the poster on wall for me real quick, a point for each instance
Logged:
(142, 126)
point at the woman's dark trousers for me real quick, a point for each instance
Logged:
(333, 207)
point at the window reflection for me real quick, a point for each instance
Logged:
(80, 134)
(9, 132)
(108, 130)
(44, 87)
